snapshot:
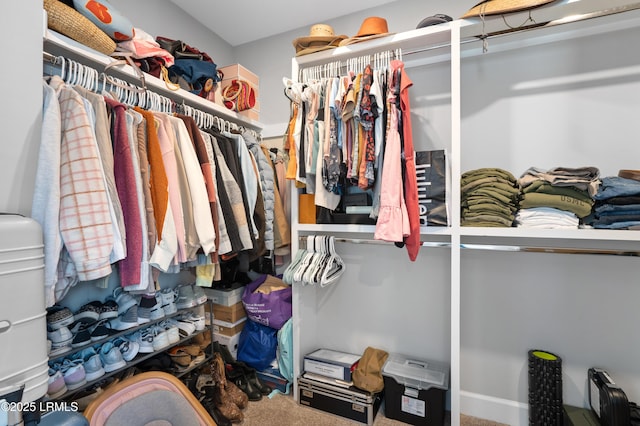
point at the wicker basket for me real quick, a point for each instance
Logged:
(70, 22)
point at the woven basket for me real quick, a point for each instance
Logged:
(70, 22)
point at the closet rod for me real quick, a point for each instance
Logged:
(181, 107)
(499, 247)
(379, 242)
(555, 22)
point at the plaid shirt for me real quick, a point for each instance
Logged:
(85, 221)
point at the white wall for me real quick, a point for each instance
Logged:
(164, 18)
(21, 117)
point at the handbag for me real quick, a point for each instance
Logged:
(239, 95)
(267, 300)
(181, 50)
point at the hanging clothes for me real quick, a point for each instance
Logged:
(412, 241)
(125, 175)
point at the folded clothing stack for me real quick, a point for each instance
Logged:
(556, 198)
(489, 198)
(617, 203)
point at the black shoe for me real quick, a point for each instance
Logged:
(238, 377)
(257, 383)
(213, 411)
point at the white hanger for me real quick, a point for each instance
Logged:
(335, 266)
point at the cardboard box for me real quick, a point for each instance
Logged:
(326, 362)
(415, 390)
(231, 342)
(352, 403)
(226, 297)
(228, 328)
(231, 314)
(235, 71)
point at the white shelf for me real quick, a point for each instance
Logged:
(450, 44)
(59, 45)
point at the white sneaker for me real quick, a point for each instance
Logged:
(186, 328)
(126, 321)
(124, 300)
(197, 320)
(60, 338)
(128, 348)
(157, 311)
(199, 294)
(160, 338)
(144, 339)
(173, 332)
(168, 298)
(185, 299)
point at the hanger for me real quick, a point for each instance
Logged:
(335, 266)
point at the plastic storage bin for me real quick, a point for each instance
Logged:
(415, 390)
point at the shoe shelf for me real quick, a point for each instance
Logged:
(140, 357)
(120, 333)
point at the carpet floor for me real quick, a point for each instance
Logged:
(282, 410)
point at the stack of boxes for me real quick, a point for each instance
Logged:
(229, 316)
(237, 71)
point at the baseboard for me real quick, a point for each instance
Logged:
(495, 409)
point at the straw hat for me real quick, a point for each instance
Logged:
(372, 27)
(66, 20)
(498, 7)
(321, 37)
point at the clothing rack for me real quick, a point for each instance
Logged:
(498, 247)
(356, 64)
(76, 73)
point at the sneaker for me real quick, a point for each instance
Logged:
(157, 312)
(59, 316)
(56, 387)
(92, 363)
(88, 313)
(145, 303)
(74, 373)
(144, 339)
(101, 330)
(82, 336)
(185, 328)
(198, 321)
(111, 357)
(185, 298)
(160, 338)
(125, 321)
(199, 294)
(124, 300)
(168, 298)
(109, 309)
(173, 332)
(128, 348)
(60, 337)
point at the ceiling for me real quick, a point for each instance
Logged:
(244, 21)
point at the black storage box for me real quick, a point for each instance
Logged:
(415, 390)
(350, 403)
